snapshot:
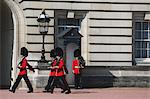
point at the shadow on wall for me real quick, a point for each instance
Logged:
(93, 77)
(6, 48)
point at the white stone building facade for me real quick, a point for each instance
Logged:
(115, 42)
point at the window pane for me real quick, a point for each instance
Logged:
(149, 53)
(137, 53)
(61, 29)
(72, 22)
(138, 35)
(137, 44)
(138, 25)
(145, 25)
(149, 25)
(145, 35)
(144, 53)
(61, 22)
(144, 44)
(148, 44)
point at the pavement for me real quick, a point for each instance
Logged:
(92, 93)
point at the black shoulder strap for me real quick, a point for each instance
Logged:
(21, 61)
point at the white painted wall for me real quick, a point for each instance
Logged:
(87, 6)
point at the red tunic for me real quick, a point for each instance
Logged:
(59, 70)
(75, 66)
(23, 70)
(53, 71)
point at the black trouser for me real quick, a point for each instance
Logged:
(65, 83)
(77, 81)
(60, 81)
(49, 83)
(25, 77)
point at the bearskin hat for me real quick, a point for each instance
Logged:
(77, 53)
(59, 52)
(24, 51)
(52, 53)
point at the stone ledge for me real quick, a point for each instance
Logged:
(142, 68)
(110, 81)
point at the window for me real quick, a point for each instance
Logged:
(142, 39)
(64, 24)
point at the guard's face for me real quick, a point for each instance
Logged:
(57, 57)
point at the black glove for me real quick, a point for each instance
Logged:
(31, 68)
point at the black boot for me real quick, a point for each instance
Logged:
(68, 92)
(11, 90)
(45, 91)
(63, 91)
(30, 91)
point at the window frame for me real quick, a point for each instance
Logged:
(142, 60)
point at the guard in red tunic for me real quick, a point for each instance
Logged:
(59, 74)
(77, 67)
(52, 71)
(23, 72)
